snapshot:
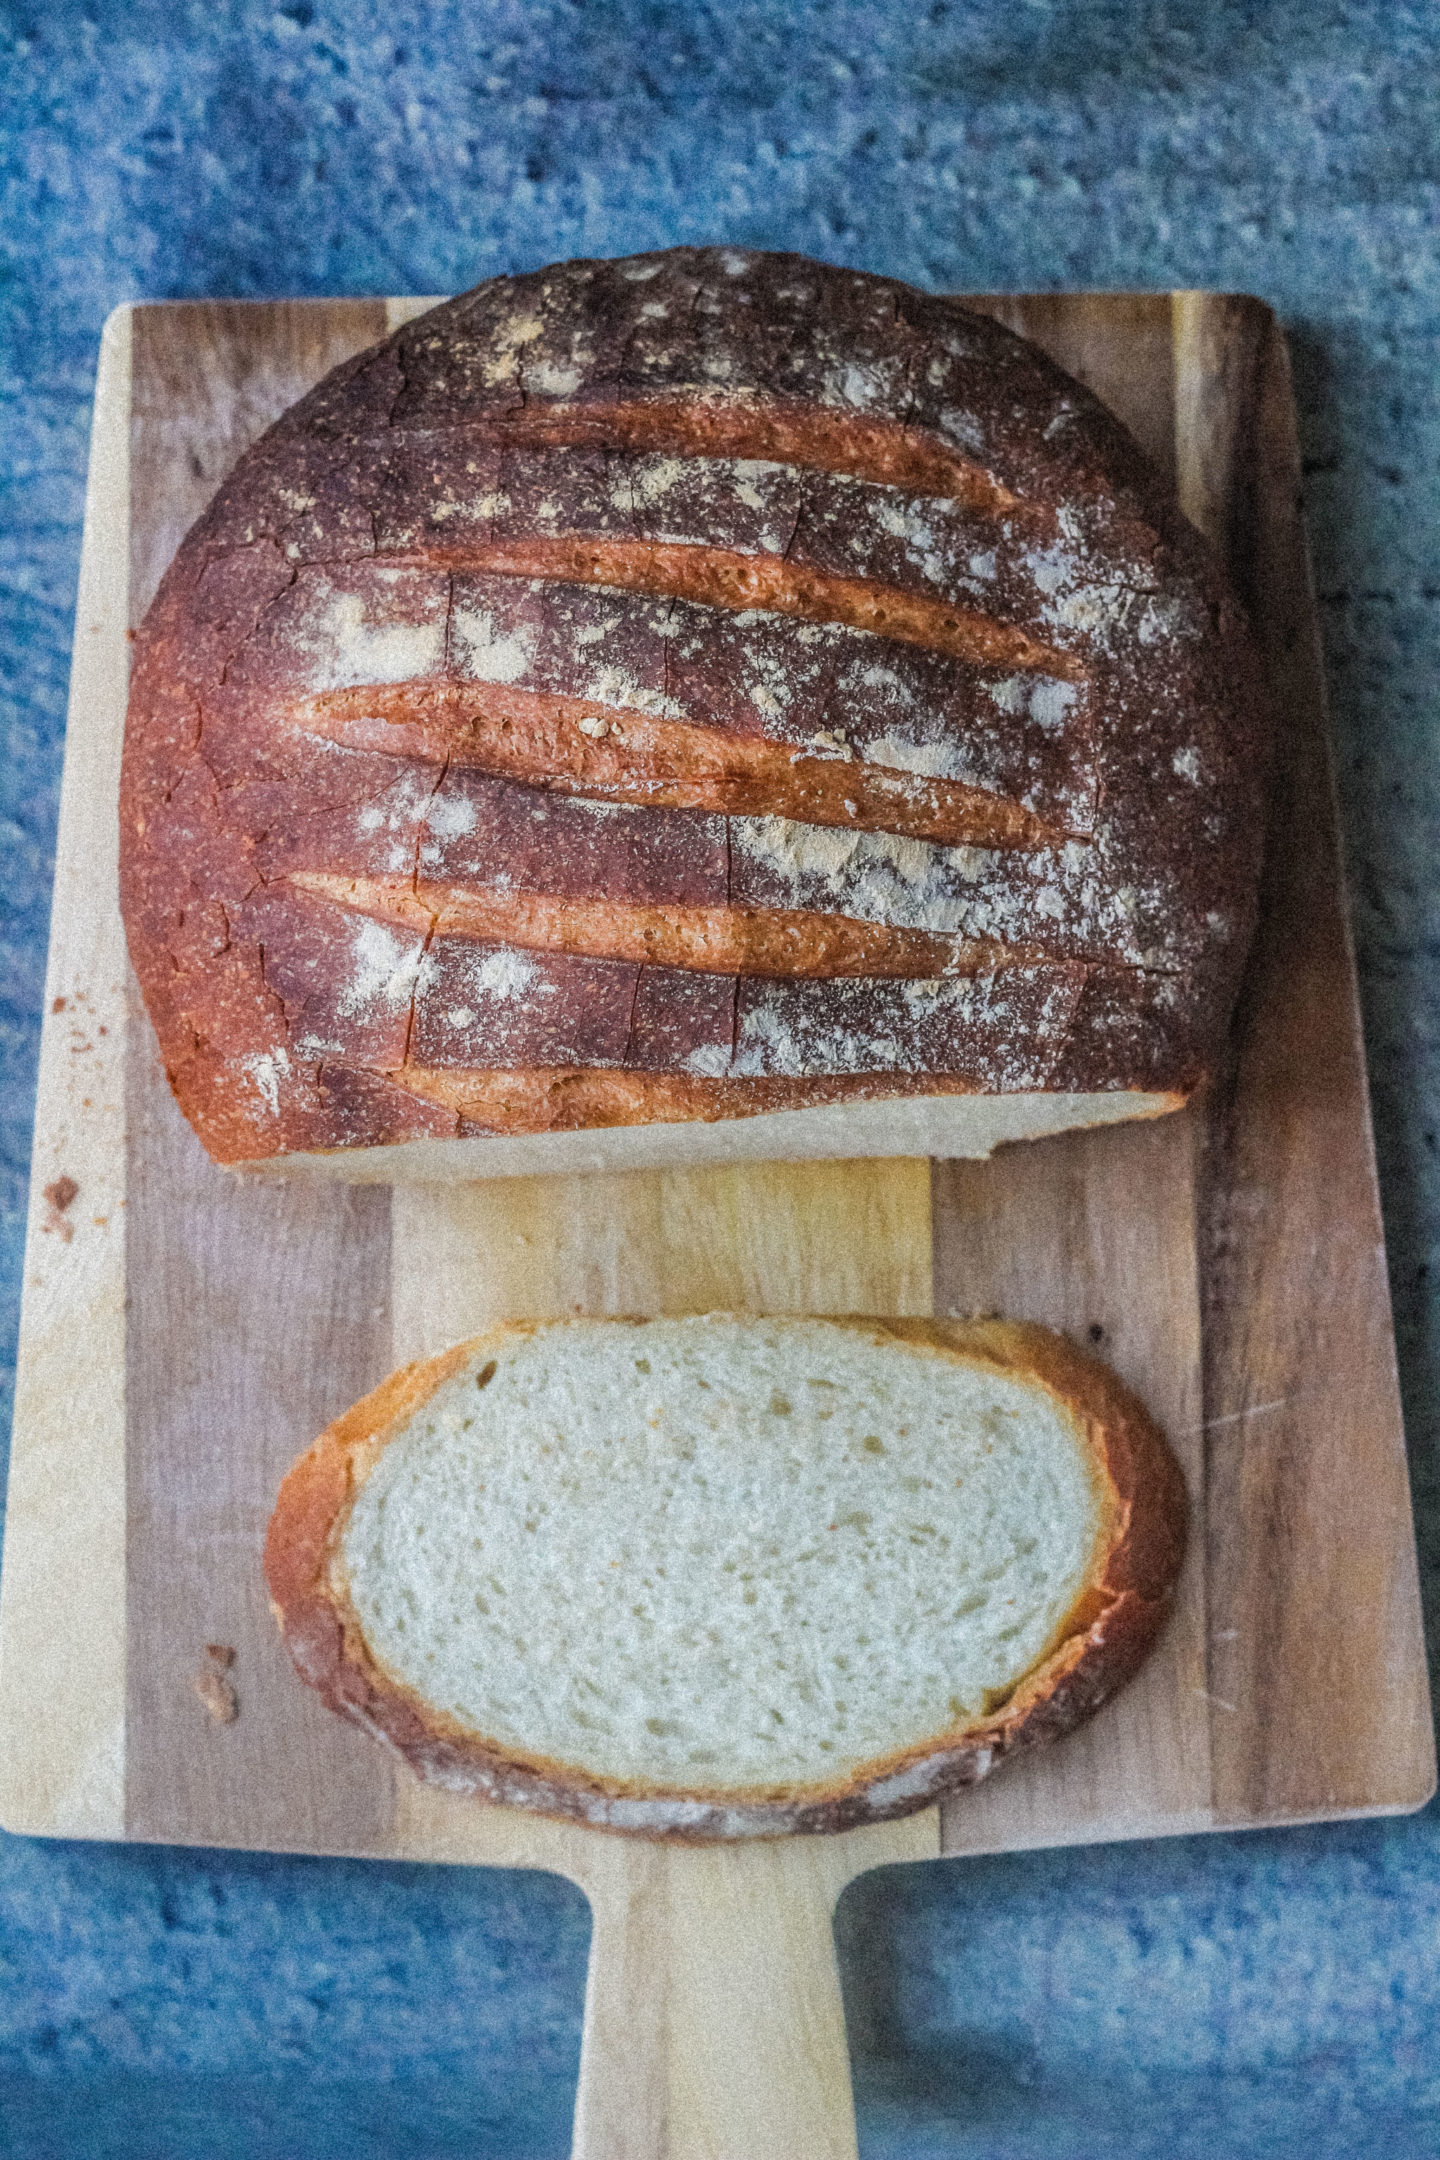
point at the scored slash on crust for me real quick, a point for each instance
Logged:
(713, 940)
(724, 578)
(766, 430)
(625, 755)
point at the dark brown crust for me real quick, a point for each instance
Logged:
(1105, 1639)
(728, 539)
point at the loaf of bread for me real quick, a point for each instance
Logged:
(726, 1577)
(703, 687)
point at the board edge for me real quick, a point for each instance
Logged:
(62, 1631)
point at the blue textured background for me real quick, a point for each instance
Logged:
(1231, 1997)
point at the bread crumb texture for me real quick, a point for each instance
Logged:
(720, 1553)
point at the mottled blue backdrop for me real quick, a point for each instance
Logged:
(1229, 1997)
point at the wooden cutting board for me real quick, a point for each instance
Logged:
(185, 1332)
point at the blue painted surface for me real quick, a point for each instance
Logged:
(1233, 1997)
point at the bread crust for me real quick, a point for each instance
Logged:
(705, 580)
(1103, 1640)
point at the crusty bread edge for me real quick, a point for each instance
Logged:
(1102, 1641)
(917, 1123)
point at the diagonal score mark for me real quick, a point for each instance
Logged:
(576, 746)
(709, 940)
(727, 578)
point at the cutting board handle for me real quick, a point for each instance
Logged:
(714, 2028)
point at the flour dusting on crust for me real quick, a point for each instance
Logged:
(794, 514)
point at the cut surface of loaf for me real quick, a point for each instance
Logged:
(726, 1576)
(703, 687)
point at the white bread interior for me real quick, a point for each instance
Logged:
(720, 1553)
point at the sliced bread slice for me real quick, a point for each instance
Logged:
(728, 1577)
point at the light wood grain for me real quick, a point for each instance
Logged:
(255, 1317)
(798, 1237)
(1119, 344)
(714, 2027)
(1317, 1676)
(700, 1961)
(1231, 1258)
(62, 1590)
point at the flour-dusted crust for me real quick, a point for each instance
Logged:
(1103, 1641)
(700, 684)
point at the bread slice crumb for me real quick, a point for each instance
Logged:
(728, 1576)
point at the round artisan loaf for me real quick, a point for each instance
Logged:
(728, 1577)
(698, 686)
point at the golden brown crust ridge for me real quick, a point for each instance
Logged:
(710, 940)
(766, 429)
(1111, 1628)
(729, 578)
(613, 753)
